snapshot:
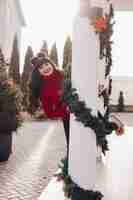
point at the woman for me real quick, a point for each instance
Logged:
(47, 86)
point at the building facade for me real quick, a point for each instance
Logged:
(11, 23)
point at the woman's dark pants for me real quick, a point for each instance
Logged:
(66, 124)
(5, 146)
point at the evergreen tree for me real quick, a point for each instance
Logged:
(67, 57)
(3, 70)
(10, 101)
(27, 70)
(14, 71)
(121, 102)
(54, 54)
(67, 71)
(44, 48)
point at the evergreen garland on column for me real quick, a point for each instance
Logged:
(106, 53)
(71, 189)
(106, 42)
(99, 124)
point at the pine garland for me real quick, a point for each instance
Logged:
(106, 53)
(99, 124)
(71, 189)
(105, 96)
(106, 42)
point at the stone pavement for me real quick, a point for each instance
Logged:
(114, 176)
(54, 191)
(37, 150)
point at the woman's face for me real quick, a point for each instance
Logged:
(46, 69)
(10, 82)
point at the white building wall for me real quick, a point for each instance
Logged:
(124, 84)
(10, 26)
(2, 22)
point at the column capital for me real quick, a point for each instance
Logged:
(84, 8)
(91, 8)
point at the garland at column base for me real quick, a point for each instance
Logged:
(80, 194)
(72, 190)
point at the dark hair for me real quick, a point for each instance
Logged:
(35, 85)
(41, 59)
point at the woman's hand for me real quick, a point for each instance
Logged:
(40, 114)
(60, 93)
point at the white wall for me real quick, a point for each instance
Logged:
(123, 4)
(2, 22)
(10, 24)
(122, 47)
(124, 84)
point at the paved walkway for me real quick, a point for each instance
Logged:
(115, 176)
(37, 150)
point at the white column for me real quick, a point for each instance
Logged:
(82, 157)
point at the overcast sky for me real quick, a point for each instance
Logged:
(51, 20)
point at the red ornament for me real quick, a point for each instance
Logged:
(100, 24)
(60, 178)
(120, 131)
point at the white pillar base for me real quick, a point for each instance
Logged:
(82, 158)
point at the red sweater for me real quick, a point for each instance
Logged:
(51, 94)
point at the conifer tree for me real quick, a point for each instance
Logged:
(54, 54)
(10, 100)
(44, 48)
(14, 70)
(67, 54)
(27, 70)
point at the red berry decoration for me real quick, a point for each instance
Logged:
(60, 178)
(120, 131)
(100, 24)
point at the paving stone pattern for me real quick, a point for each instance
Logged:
(37, 150)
